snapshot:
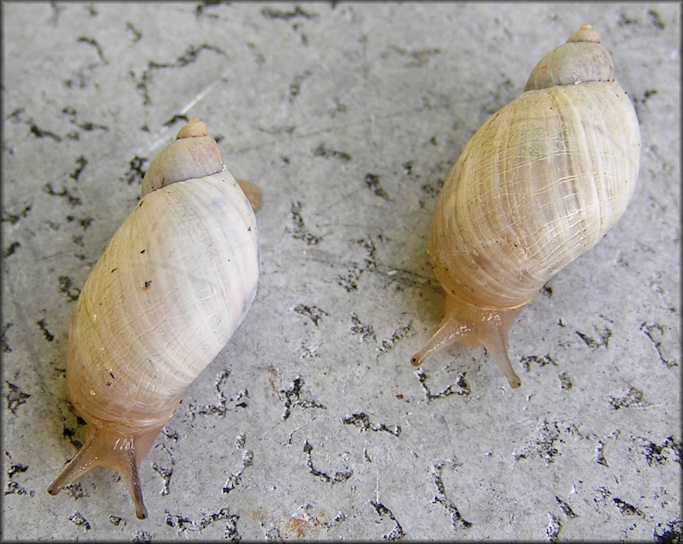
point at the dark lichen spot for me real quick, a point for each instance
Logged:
(175, 119)
(339, 476)
(134, 33)
(135, 173)
(565, 381)
(372, 183)
(632, 397)
(313, 313)
(66, 288)
(11, 249)
(593, 344)
(457, 521)
(566, 508)
(627, 509)
(543, 360)
(362, 420)
(655, 453)
(46, 333)
(15, 218)
(15, 397)
(464, 388)
(668, 533)
(72, 200)
(81, 163)
(77, 519)
(299, 230)
(148, 283)
(292, 398)
(322, 151)
(38, 133)
(366, 332)
(656, 19)
(270, 13)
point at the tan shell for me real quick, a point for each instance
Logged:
(171, 287)
(538, 184)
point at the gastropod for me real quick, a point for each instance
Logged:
(171, 287)
(540, 183)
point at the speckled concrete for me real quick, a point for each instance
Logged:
(312, 423)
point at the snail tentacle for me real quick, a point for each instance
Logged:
(114, 448)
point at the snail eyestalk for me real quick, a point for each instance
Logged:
(473, 326)
(114, 448)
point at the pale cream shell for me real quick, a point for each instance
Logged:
(537, 185)
(173, 284)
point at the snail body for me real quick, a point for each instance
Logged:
(171, 287)
(540, 183)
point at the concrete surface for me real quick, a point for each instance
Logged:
(311, 423)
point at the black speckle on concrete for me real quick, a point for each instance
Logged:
(658, 454)
(165, 474)
(632, 397)
(397, 532)
(362, 421)
(11, 249)
(399, 334)
(293, 398)
(322, 151)
(71, 199)
(65, 286)
(299, 230)
(540, 360)
(93, 43)
(271, 13)
(133, 33)
(656, 20)
(77, 519)
(592, 343)
(135, 173)
(627, 509)
(337, 477)
(669, 532)
(15, 218)
(4, 345)
(46, 333)
(313, 313)
(188, 57)
(565, 381)
(461, 387)
(552, 531)
(566, 508)
(15, 397)
(372, 183)
(457, 521)
(366, 332)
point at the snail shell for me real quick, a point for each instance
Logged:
(171, 287)
(538, 184)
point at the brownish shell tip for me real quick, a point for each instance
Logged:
(194, 128)
(585, 34)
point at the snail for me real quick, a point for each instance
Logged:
(539, 183)
(171, 287)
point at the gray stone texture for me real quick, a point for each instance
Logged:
(311, 423)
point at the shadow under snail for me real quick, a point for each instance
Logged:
(171, 287)
(540, 183)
